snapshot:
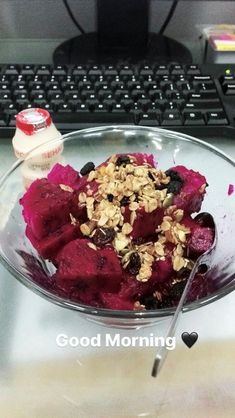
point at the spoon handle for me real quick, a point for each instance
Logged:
(162, 351)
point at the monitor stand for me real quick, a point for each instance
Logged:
(85, 49)
(122, 36)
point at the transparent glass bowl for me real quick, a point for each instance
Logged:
(96, 144)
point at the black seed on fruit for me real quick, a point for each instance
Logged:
(103, 236)
(134, 263)
(100, 263)
(110, 197)
(177, 289)
(125, 201)
(87, 168)
(123, 160)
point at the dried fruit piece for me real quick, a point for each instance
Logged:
(175, 184)
(177, 289)
(134, 263)
(123, 160)
(110, 197)
(125, 201)
(103, 236)
(87, 168)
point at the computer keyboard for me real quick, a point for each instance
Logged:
(193, 99)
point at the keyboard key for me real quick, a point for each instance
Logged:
(171, 118)
(27, 70)
(12, 70)
(203, 97)
(229, 89)
(216, 118)
(64, 107)
(202, 105)
(146, 71)
(194, 118)
(177, 70)
(59, 70)
(126, 70)
(43, 70)
(149, 119)
(162, 70)
(192, 69)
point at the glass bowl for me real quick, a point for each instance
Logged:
(96, 144)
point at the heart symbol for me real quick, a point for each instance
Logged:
(189, 339)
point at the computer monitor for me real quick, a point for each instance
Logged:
(122, 35)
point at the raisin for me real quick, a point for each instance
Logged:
(87, 168)
(150, 302)
(123, 160)
(184, 273)
(103, 236)
(176, 182)
(173, 175)
(174, 187)
(151, 176)
(134, 263)
(166, 302)
(125, 201)
(177, 289)
(110, 197)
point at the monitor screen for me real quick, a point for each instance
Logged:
(122, 23)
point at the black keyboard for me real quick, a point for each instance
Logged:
(193, 99)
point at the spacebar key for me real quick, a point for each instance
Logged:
(74, 119)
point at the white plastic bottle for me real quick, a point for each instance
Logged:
(34, 127)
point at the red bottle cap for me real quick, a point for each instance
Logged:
(33, 120)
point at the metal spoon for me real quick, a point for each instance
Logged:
(206, 220)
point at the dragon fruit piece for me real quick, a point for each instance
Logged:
(201, 240)
(132, 289)
(162, 271)
(46, 207)
(145, 223)
(192, 190)
(113, 301)
(64, 175)
(78, 262)
(85, 296)
(49, 246)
